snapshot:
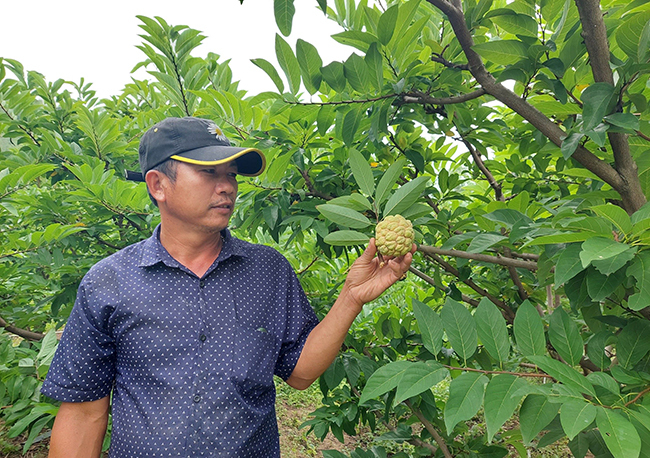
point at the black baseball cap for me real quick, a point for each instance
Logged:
(194, 141)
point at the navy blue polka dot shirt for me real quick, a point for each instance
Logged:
(190, 361)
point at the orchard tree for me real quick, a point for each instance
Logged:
(516, 137)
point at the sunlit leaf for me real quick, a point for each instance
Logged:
(502, 52)
(344, 216)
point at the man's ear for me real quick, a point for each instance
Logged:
(157, 184)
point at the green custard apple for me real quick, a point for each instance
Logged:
(394, 236)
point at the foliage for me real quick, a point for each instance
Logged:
(516, 137)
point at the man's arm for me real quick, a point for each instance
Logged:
(79, 429)
(366, 281)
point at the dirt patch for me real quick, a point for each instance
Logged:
(296, 443)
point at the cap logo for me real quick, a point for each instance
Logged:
(216, 131)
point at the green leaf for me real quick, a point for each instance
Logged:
(460, 328)
(640, 270)
(570, 144)
(553, 107)
(430, 326)
(354, 201)
(284, 11)
(619, 434)
(568, 264)
(604, 380)
(310, 65)
(346, 238)
(288, 63)
(517, 24)
(630, 35)
(597, 102)
(600, 287)
(502, 52)
(563, 373)
(624, 120)
(301, 112)
(482, 242)
(405, 196)
(356, 72)
(508, 217)
(344, 216)
(565, 336)
(384, 379)
(334, 75)
(351, 122)
(386, 25)
(420, 377)
(565, 237)
(575, 416)
(614, 263)
(362, 172)
(48, 347)
(600, 248)
(492, 330)
(500, 402)
(644, 43)
(529, 330)
(465, 398)
(388, 179)
(616, 215)
(535, 414)
(375, 63)
(633, 343)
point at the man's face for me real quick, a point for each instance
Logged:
(202, 197)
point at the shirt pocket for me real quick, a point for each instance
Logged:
(255, 353)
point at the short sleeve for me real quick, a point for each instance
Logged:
(301, 320)
(83, 368)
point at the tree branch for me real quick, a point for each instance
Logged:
(24, 129)
(638, 396)
(441, 60)
(310, 186)
(431, 281)
(425, 99)
(516, 374)
(624, 185)
(594, 33)
(507, 262)
(429, 427)
(506, 311)
(24, 333)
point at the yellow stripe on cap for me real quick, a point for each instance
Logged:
(228, 159)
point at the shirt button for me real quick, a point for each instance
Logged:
(201, 284)
(197, 398)
(203, 337)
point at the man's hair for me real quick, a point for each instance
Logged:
(167, 168)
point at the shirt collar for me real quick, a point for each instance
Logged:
(154, 252)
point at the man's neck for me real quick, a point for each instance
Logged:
(196, 250)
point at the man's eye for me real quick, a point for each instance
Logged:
(208, 170)
(232, 174)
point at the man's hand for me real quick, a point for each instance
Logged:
(370, 276)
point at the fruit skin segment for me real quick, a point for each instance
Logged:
(394, 236)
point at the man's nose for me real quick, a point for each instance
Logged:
(225, 185)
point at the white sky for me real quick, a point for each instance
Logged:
(71, 39)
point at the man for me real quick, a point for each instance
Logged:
(187, 328)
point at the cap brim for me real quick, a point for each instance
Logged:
(250, 161)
